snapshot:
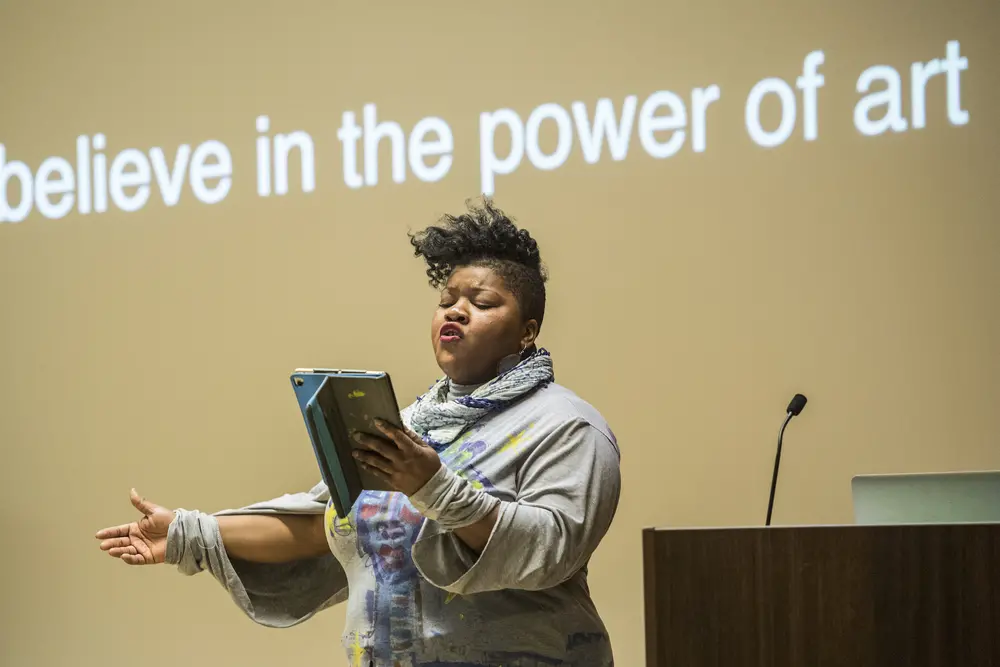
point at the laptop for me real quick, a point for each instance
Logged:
(943, 497)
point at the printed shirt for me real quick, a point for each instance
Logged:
(524, 601)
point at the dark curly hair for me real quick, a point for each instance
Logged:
(485, 236)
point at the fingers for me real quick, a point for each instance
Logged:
(141, 504)
(405, 439)
(133, 554)
(115, 542)
(374, 462)
(134, 559)
(118, 552)
(115, 531)
(386, 450)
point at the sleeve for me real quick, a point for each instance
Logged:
(274, 595)
(567, 497)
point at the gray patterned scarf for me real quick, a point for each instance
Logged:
(440, 421)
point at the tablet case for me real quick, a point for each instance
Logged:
(330, 419)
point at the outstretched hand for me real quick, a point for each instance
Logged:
(142, 542)
(400, 457)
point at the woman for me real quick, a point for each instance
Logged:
(506, 484)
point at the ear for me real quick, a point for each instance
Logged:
(529, 334)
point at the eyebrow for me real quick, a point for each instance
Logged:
(449, 288)
(476, 290)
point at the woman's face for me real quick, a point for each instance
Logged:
(477, 323)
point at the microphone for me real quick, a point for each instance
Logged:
(794, 408)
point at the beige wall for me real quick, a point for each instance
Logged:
(690, 297)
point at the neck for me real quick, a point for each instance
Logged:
(456, 390)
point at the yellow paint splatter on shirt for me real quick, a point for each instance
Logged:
(336, 525)
(516, 440)
(357, 653)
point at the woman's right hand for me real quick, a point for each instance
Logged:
(142, 542)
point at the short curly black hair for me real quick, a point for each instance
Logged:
(485, 236)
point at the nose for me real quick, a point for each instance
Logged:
(456, 314)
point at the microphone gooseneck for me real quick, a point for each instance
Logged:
(794, 409)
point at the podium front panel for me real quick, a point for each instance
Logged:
(823, 596)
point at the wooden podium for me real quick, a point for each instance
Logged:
(823, 596)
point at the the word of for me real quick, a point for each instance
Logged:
(809, 83)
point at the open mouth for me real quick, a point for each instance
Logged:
(450, 333)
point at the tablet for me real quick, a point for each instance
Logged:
(336, 403)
